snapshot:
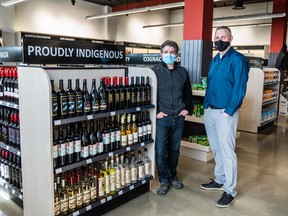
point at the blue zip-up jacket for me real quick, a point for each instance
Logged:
(226, 83)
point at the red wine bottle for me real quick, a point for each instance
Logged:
(116, 94)
(54, 101)
(94, 97)
(62, 98)
(61, 148)
(70, 145)
(102, 95)
(121, 94)
(71, 99)
(109, 95)
(86, 99)
(77, 143)
(79, 99)
(127, 90)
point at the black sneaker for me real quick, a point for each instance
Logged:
(176, 184)
(162, 189)
(225, 201)
(212, 186)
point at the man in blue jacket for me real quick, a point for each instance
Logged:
(226, 88)
(174, 97)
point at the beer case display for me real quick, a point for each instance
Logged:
(37, 140)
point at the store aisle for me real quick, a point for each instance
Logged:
(262, 183)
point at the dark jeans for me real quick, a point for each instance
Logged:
(168, 138)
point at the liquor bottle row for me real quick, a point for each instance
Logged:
(10, 127)
(268, 114)
(90, 183)
(198, 110)
(9, 84)
(10, 168)
(69, 102)
(108, 134)
(271, 76)
(270, 94)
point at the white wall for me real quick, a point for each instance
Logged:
(7, 15)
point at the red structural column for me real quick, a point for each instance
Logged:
(279, 26)
(198, 19)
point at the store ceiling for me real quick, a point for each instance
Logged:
(217, 3)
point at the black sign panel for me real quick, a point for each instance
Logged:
(10, 54)
(41, 51)
(145, 59)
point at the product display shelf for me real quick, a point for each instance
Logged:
(14, 193)
(37, 134)
(9, 104)
(256, 114)
(200, 93)
(10, 149)
(194, 119)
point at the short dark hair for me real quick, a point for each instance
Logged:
(171, 44)
(225, 27)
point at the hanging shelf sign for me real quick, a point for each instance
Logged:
(43, 51)
(10, 54)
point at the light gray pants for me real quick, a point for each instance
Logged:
(221, 132)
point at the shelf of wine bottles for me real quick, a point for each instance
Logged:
(11, 189)
(89, 186)
(9, 94)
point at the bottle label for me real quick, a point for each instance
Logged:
(71, 104)
(148, 96)
(87, 107)
(55, 151)
(57, 207)
(123, 176)
(64, 105)
(72, 202)
(117, 98)
(128, 176)
(139, 97)
(16, 92)
(93, 193)
(140, 131)
(77, 146)
(141, 171)
(128, 96)
(133, 97)
(70, 148)
(62, 149)
(133, 174)
(130, 139)
(124, 140)
(144, 97)
(112, 182)
(110, 98)
(147, 168)
(118, 179)
(93, 150)
(84, 152)
(100, 147)
(117, 136)
(79, 103)
(112, 137)
(79, 199)
(122, 96)
(103, 105)
(107, 184)
(149, 129)
(135, 137)
(106, 138)
(144, 130)
(101, 187)
(95, 106)
(64, 205)
(86, 196)
(6, 171)
(54, 106)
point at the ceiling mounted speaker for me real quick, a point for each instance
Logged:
(238, 5)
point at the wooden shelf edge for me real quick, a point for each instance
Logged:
(195, 146)
(194, 119)
(198, 93)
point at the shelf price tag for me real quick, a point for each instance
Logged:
(142, 144)
(110, 154)
(88, 208)
(18, 153)
(6, 186)
(75, 213)
(113, 113)
(57, 171)
(109, 198)
(138, 109)
(89, 117)
(128, 148)
(88, 161)
(20, 196)
(120, 192)
(144, 181)
(103, 201)
(57, 122)
(13, 191)
(131, 187)
(7, 148)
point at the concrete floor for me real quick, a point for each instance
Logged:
(262, 183)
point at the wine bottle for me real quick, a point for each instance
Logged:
(133, 169)
(127, 171)
(143, 91)
(72, 196)
(64, 199)
(100, 147)
(148, 91)
(133, 90)
(106, 136)
(117, 174)
(109, 94)
(140, 167)
(86, 99)
(149, 126)
(144, 125)
(100, 177)
(147, 163)
(16, 87)
(106, 173)
(123, 137)
(123, 171)
(79, 98)
(134, 129)
(129, 130)
(112, 171)
(117, 132)
(57, 198)
(92, 140)
(121, 94)
(138, 92)
(71, 99)
(102, 95)
(86, 188)
(112, 134)
(94, 96)
(93, 185)
(63, 102)
(116, 94)
(79, 192)
(84, 142)
(54, 101)
(55, 149)
(61, 147)
(77, 143)
(70, 145)
(140, 128)
(127, 93)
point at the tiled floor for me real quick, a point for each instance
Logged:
(262, 183)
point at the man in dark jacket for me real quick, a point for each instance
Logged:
(173, 104)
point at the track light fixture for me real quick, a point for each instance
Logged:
(11, 2)
(238, 5)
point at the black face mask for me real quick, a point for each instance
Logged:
(221, 45)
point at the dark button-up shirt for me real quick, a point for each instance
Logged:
(226, 83)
